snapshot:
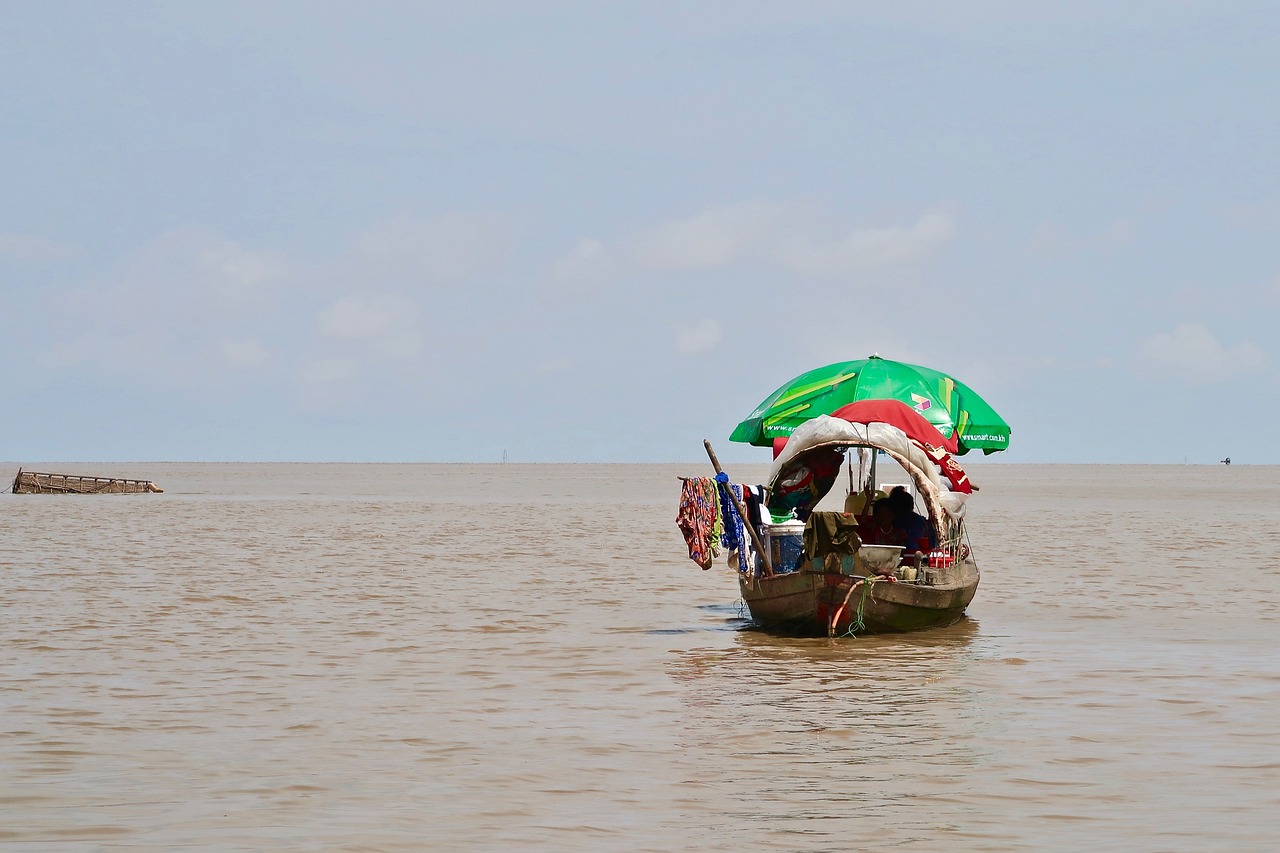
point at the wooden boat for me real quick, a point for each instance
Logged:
(814, 601)
(866, 589)
(36, 483)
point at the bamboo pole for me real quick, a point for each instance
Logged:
(746, 521)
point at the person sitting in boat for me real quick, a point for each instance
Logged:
(916, 534)
(881, 528)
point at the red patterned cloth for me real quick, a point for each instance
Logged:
(696, 518)
(950, 468)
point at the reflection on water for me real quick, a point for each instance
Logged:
(822, 740)
(282, 657)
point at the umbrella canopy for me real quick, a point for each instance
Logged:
(951, 406)
(896, 413)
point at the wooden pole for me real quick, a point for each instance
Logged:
(746, 521)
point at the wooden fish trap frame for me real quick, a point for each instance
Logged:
(35, 483)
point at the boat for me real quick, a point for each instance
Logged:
(36, 483)
(791, 582)
(866, 589)
(806, 570)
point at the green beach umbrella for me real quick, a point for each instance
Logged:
(945, 402)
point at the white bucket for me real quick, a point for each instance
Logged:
(785, 542)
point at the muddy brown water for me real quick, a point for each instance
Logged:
(511, 657)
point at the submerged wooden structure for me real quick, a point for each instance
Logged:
(37, 483)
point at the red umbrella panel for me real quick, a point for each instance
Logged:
(899, 414)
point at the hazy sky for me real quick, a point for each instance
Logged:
(605, 231)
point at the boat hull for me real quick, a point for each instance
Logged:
(805, 602)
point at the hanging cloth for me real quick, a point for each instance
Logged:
(697, 518)
(735, 533)
(950, 468)
(830, 533)
(753, 500)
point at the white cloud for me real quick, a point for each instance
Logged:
(790, 236)
(701, 338)
(871, 248)
(440, 251)
(32, 248)
(718, 237)
(244, 354)
(357, 317)
(193, 277)
(226, 266)
(589, 263)
(375, 326)
(193, 308)
(328, 371)
(1191, 353)
(328, 383)
(181, 310)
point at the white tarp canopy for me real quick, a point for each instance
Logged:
(829, 432)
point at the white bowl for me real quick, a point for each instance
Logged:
(879, 558)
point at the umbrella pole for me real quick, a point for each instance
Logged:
(746, 521)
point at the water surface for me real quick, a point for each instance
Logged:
(490, 657)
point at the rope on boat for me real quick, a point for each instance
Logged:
(965, 550)
(855, 624)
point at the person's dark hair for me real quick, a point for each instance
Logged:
(880, 503)
(900, 498)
